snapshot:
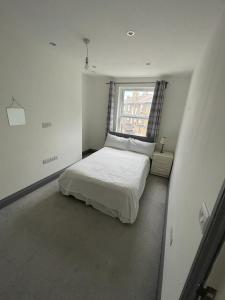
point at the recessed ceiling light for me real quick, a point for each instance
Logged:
(148, 63)
(94, 67)
(130, 33)
(52, 44)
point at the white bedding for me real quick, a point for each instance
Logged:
(110, 180)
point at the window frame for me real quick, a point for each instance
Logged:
(120, 102)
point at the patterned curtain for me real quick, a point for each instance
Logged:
(111, 107)
(156, 110)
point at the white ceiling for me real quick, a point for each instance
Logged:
(169, 33)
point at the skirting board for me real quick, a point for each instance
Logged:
(88, 152)
(162, 254)
(12, 198)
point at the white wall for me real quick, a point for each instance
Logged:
(48, 84)
(86, 90)
(173, 108)
(199, 165)
(95, 105)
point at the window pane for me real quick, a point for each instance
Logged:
(133, 126)
(134, 111)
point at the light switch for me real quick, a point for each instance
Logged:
(203, 217)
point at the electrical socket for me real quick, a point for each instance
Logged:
(46, 124)
(50, 159)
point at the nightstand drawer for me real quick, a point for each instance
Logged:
(162, 163)
(162, 159)
(156, 170)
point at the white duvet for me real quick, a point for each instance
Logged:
(110, 180)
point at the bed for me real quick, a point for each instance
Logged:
(111, 180)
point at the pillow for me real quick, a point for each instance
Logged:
(114, 141)
(141, 147)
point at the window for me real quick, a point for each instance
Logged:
(134, 106)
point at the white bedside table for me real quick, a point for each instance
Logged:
(162, 163)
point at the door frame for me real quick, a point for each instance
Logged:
(208, 250)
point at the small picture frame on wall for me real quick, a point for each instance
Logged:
(16, 115)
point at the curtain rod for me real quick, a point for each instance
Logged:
(132, 82)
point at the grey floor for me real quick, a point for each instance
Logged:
(54, 247)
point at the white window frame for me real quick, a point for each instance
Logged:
(120, 97)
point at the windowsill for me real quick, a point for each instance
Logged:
(137, 137)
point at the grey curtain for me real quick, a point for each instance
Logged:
(111, 107)
(156, 110)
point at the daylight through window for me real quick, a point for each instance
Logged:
(134, 109)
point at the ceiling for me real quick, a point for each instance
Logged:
(169, 33)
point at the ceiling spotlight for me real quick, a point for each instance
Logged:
(148, 63)
(52, 44)
(130, 33)
(86, 42)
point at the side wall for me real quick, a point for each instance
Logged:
(85, 119)
(95, 101)
(95, 104)
(48, 85)
(199, 166)
(173, 108)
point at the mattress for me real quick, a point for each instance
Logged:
(110, 180)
